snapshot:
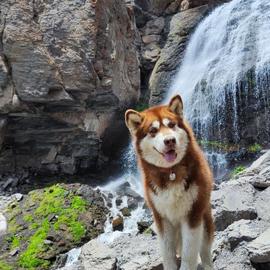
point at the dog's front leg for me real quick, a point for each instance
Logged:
(192, 240)
(167, 243)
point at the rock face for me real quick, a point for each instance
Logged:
(66, 70)
(241, 240)
(181, 25)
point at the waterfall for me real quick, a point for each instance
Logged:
(224, 77)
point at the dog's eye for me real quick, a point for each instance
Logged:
(153, 130)
(171, 125)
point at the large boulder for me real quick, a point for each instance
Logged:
(47, 222)
(66, 71)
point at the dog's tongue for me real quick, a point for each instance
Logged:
(170, 156)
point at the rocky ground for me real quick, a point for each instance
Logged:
(242, 240)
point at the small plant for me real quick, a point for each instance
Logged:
(254, 148)
(237, 170)
(141, 107)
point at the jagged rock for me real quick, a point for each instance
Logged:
(181, 25)
(130, 252)
(262, 204)
(67, 69)
(233, 201)
(260, 250)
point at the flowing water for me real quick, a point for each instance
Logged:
(225, 73)
(228, 54)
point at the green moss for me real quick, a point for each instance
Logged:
(15, 242)
(30, 257)
(64, 207)
(237, 170)
(52, 201)
(28, 218)
(4, 266)
(254, 148)
(219, 145)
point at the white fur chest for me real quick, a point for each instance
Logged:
(175, 202)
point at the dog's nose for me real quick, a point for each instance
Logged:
(170, 142)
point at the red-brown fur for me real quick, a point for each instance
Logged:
(193, 168)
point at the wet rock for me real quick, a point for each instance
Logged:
(118, 223)
(118, 201)
(125, 212)
(143, 225)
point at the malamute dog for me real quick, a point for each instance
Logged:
(177, 183)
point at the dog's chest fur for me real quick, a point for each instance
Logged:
(174, 202)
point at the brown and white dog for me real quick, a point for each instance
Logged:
(177, 183)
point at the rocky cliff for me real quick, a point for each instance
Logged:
(69, 69)
(66, 71)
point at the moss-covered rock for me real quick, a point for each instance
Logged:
(50, 221)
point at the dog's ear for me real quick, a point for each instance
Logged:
(176, 105)
(133, 120)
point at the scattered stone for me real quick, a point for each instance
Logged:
(125, 212)
(143, 226)
(151, 38)
(14, 252)
(118, 201)
(18, 196)
(48, 242)
(118, 223)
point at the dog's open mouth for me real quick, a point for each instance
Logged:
(169, 155)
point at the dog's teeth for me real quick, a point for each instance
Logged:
(172, 176)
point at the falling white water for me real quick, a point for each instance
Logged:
(232, 41)
(227, 46)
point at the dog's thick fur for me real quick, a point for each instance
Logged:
(177, 183)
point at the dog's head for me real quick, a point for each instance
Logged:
(159, 133)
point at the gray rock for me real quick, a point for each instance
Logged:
(260, 248)
(67, 69)
(262, 204)
(233, 201)
(130, 252)
(181, 26)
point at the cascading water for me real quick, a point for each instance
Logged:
(226, 67)
(225, 74)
